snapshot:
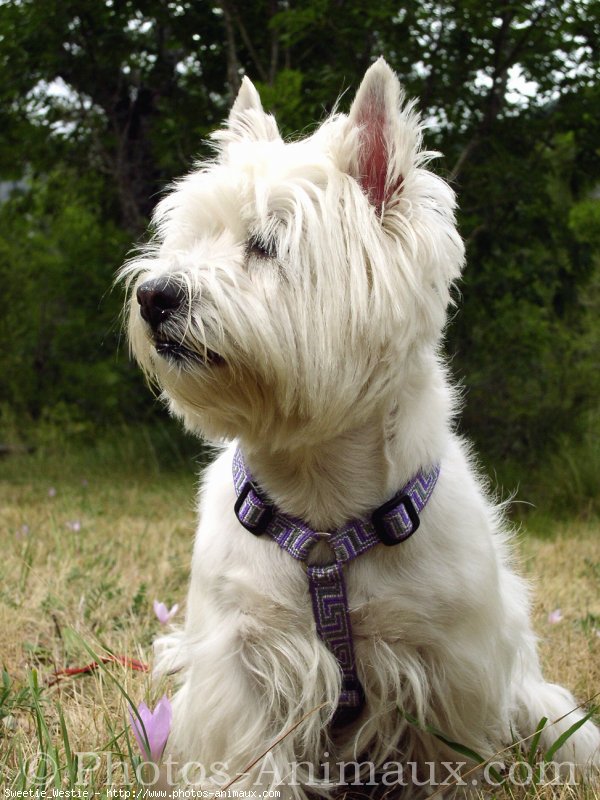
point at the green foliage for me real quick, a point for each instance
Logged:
(584, 222)
(61, 326)
(285, 98)
(103, 103)
(569, 480)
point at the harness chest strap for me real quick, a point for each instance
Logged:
(390, 524)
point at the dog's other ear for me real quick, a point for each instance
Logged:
(386, 137)
(247, 119)
(247, 99)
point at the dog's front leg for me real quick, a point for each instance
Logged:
(248, 661)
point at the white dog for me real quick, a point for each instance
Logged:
(293, 303)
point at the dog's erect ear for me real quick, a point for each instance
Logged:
(247, 99)
(247, 119)
(386, 136)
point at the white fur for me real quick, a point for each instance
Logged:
(333, 386)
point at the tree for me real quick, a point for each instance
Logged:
(119, 95)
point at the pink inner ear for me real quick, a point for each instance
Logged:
(373, 154)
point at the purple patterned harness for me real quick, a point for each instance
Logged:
(391, 523)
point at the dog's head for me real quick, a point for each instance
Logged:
(288, 283)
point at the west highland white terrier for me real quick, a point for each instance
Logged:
(352, 584)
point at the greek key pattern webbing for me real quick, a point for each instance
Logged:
(392, 523)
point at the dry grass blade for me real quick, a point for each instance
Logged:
(272, 746)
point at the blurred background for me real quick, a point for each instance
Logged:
(103, 102)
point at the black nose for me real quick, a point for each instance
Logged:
(159, 299)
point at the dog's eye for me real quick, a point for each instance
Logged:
(260, 248)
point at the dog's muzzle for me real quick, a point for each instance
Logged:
(159, 299)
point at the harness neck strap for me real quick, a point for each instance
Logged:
(390, 524)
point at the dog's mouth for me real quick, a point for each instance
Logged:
(179, 353)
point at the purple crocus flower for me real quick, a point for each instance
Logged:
(162, 612)
(152, 732)
(555, 616)
(23, 531)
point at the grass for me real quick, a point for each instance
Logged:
(91, 536)
(89, 539)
